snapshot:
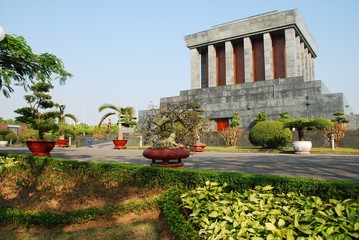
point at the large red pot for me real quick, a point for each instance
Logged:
(40, 147)
(165, 155)
(62, 143)
(120, 143)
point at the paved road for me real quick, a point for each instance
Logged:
(323, 166)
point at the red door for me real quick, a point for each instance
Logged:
(221, 124)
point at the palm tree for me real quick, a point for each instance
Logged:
(62, 119)
(124, 116)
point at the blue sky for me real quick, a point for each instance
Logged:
(132, 53)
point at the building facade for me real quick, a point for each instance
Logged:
(263, 63)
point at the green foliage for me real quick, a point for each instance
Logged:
(235, 120)
(321, 123)
(262, 116)
(125, 117)
(177, 223)
(3, 133)
(19, 64)
(174, 123)
(35, 115)
(261, 214)
(11, 137)
(61, 118)
(339, 117)
(270, 134)
(28, 134)
(7, 162)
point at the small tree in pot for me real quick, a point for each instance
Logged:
(61, 118)
(124, 116)
(36, 116)
(170, 129)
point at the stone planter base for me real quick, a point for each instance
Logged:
(302, 147)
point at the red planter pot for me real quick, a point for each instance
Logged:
(40, 147)
(198, 147)
(165, 155)
(62, 143)
(120, 143)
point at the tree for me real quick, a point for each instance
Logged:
(61, 117)
(124, 116)
(338, 129)
(20, 66)
(172, 126)
(39, 101)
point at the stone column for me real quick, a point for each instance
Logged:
(248, 60)
(268, 56)
(195, 69)
(212, 66)
(299, 56)
(229, 63)
(302, 60)
(313, 68)
(306, 65)
(291, 52)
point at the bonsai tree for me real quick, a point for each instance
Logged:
(35, 114)
(61, 118)
(172, 126)
(301, 124)
(20, 65)
(231, 134)
(124, 116)
(337, 129)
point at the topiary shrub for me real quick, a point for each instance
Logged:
(270, 134)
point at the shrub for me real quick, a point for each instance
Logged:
(28, 134)
(11, 136)
(270, 134)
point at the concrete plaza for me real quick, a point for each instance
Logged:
(320, 166)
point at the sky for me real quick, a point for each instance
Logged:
(132, 53)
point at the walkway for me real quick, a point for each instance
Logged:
(321, 166)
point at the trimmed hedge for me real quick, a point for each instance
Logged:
(270, 134)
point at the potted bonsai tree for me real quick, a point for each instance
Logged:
(203, 126)
(170, 129)
(124, 116)
(300, 125)
(61, 118)
(38, 118)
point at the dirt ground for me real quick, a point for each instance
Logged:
(32, 198)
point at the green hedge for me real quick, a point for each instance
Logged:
(270, 134)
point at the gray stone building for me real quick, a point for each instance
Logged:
(263, 63)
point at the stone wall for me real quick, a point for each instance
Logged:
(293, 95)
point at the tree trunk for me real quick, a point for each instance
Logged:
(301, 134)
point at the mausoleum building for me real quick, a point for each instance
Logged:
(263, 63)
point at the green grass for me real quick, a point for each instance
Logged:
(139, 231)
